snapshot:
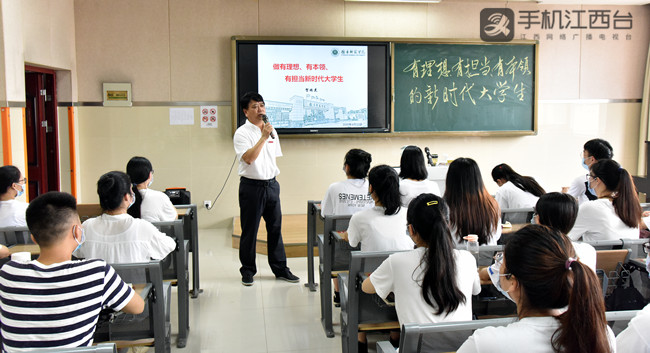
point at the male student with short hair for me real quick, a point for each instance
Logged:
(54, 301)
(594, 150)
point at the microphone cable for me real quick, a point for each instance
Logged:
(224, 184)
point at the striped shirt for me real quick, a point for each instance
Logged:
(56, 305)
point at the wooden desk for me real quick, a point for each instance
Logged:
(513, 229)
(33, 249)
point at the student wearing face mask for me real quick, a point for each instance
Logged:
(593, 151)
(541, 274)
(558, 211)
(616, 213)
(635, 337)
(12, 185)
(116, 236)
(150, 205)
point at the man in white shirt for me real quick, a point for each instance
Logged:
(257, 145)
(593, 151)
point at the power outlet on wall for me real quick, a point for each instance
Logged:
(207, 204)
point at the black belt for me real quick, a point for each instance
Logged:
(257, 182)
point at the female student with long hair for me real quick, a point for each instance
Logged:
(381, 228)
(515, 190)
(150, 205)
(541, 274)
(472, 209)
(116, 236)
(434, 282)
(413, 176)
(616, 213)
(350, 195)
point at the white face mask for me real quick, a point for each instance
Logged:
(494, 272)
(83, 239)
(132, 200)
(150, 182)
(647, 264)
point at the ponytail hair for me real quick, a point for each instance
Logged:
(624, 195)
(472, 209)
(385, 184)
(544, 263)
(111, 188)
(138, 169)
(358, 162)
(525, 183)
(428, 215)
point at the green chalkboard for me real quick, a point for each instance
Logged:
(464, 87)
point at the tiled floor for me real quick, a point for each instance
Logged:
(270, 316)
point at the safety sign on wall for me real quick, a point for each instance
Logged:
(209, 116)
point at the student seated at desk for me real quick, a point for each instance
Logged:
(515, 190)
(381, 228)
(115, 236)
(351, 195)
(593, 151)
(472, 209)
(12, 185)
(53, 301)
(150, 205)
(541, 274)
(434, 282)
(617, 212)
(413, 176)
(558, 211)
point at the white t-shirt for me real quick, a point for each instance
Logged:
(264, 167)
(123, 239)
(402, 274)
(530, 335)
(379, 232)
(586, 253)
(597, 220)
(12, 213)
(636, 337)
(157, 207)
(510, 196)
(578, 188)
(346, 197)
(411, 189)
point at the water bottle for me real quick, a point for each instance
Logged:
(472, 244)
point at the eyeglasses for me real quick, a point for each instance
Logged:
(591, 176)
(498, 260)
(646, 248)
(22, 181)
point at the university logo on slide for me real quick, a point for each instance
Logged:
(497, 25)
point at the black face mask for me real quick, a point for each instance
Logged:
(588, 193)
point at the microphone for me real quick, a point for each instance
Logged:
(266, 121)
(429, 157)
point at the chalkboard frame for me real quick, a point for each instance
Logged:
(533, 131)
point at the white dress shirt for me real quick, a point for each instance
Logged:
(12, 213)
(264, 167)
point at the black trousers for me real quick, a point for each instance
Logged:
(260, 198)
